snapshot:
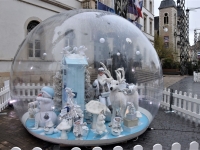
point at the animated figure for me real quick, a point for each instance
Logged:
(102, 88)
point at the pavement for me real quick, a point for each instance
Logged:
(165, 129)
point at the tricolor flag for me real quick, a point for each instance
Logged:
(131, 7)
(138, 5)
(134, 9)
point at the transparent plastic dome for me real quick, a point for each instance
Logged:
(61, 60)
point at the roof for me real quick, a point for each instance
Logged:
(76, 61)
(167, 4)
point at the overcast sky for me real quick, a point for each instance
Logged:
(194, 22)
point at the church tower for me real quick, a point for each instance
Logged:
(168, 23)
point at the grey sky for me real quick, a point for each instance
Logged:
(194, 22)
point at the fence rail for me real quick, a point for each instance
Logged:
(183, 104)
(28, 92)
(4, 96)
(176, 146)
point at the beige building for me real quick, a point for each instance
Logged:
(167, 21)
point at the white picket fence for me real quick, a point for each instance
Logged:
(4, 96)
(176, 146)
(28, 92)
(183, 104)
(196, 76)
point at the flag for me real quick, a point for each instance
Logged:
(102, 6)
(131, 7)
(138, 5)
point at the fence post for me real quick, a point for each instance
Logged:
(170, 101)
(194, 145)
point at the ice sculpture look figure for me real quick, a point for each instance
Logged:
(120, 92)
(102, 88)
(79, 128)
(49, 126)
(116, 128)
(100, 125)
(44, 103)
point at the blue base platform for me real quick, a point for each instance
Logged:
(92, 137)
(143, 123)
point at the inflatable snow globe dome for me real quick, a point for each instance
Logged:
(70, 60)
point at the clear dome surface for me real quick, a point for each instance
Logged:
(56, 73)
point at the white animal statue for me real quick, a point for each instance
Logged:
(100, 124)
(120, 94)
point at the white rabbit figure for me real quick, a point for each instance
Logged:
(100, 124)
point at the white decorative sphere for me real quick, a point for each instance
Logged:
(128, 40)
(102, 40)
(137, 52)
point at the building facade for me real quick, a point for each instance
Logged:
(168, 24)
(19, 19)
(147, 21)
(23, 15)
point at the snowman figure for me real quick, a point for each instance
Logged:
(116, 128)
(44, 103)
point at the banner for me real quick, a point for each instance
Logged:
(104, 7)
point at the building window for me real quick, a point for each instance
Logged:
(145, 23)
(86, 5)
(32, 25)
(150, 6)
(175, 19)
(166, 18)
(34, 48)
(69, 37)
(166, 41)
(145, 4)
(150, 26)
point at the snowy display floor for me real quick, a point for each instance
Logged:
(92, 138)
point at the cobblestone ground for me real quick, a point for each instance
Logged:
(168, 128)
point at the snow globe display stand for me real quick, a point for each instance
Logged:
(89, 95)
